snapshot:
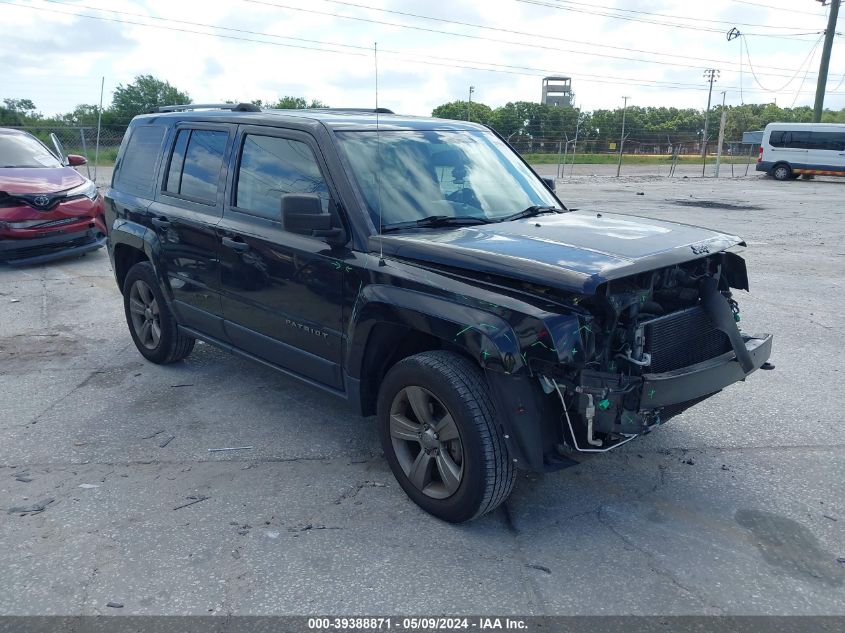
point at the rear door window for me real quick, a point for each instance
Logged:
(137, 169)
(195, 164)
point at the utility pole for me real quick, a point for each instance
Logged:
(469, 102)
(99, 124)
(711, 74)
(825, 62)
(622, 138)
(723, 120)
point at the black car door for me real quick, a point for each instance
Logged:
(187, 207)
(281, 292)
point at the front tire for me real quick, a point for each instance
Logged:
(782, 172)
(437, 427)
(151, 323)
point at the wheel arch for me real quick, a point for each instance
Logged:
(391, 323)
(129, 244)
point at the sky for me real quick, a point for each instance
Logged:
(430, 52)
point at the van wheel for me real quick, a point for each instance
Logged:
(438, 430)
(782, 171)
(150, 320)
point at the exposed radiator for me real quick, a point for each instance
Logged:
(682, 338)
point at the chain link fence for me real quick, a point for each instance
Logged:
(559, 150)
(83, 140)
(652, 154)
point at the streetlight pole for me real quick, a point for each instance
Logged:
(825, 62)
(469, 102)
(622, 138)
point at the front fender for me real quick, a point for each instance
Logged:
(483, 335)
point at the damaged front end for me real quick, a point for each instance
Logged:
(657, 343)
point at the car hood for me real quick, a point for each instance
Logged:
(17, 180)
(574, 251)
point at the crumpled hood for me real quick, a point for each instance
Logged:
(574, 251)
(15, 180)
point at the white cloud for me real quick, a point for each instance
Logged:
(57, 59)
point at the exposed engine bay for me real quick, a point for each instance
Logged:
(660, 342)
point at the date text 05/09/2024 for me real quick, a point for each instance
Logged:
(415, 624)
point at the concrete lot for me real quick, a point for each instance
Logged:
(736, 507)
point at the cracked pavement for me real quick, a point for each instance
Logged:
(735, 507)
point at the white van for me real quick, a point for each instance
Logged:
(789, 150)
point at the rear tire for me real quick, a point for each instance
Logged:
(782, 172)
(151, 323)
(437, 427)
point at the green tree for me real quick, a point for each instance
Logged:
(458, 110)
(144, 95)
(17, 112)
(296, 103)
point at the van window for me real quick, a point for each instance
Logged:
(834, 141)
(195, 164)
(136, 171)
(270, 167)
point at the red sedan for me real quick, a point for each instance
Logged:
(47, 209)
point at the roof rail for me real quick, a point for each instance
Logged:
(235, 107)
(361, 110)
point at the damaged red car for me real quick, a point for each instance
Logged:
(47, 209)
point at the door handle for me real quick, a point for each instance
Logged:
(234, 244)
(160, 223)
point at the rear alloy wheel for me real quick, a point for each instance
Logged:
(143, 310)
(151, 324)
(782, 172)
(438, 430)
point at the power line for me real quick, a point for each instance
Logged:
(627, 58)
(809, 63)
(532, 35)
(276, 5)
(665, 15)
(362, 48)
(782, 88)
(770, 7)
(656, 22)
(448, 62)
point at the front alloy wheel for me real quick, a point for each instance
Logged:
(143, 309)
(438, 428)
(426, 442)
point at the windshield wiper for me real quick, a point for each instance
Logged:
(530, 212)
(434, 221)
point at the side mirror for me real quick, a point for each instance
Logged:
(75, 160)
(550, 183)
(302, 213)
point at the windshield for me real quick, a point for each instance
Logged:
(23, 150)
(411, 175)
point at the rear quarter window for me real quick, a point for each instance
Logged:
(137, 168)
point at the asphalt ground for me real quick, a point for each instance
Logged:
(735, 507)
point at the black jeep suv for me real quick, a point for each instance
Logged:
(420, 269)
